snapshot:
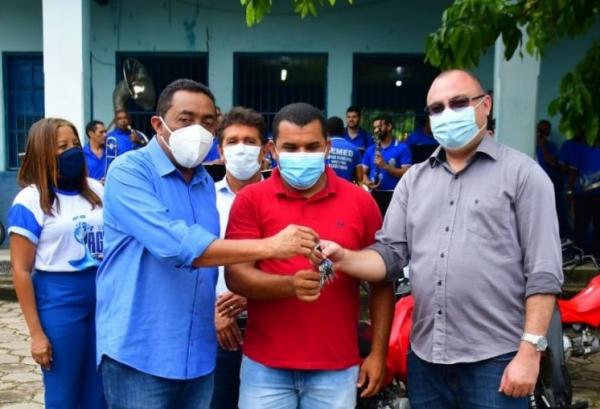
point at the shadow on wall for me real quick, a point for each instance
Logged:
(9, 189)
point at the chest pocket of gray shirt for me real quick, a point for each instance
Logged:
(488, 216)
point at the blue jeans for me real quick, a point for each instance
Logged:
(459, 386)
(66, 304)
(227, 379)
(128, 388)
(272, 388)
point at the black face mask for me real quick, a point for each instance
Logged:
(71, 164)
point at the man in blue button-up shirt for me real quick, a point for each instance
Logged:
(156, 340)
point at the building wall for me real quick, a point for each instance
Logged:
(368, 26)
(20, 31)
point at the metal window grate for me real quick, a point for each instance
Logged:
(260, 82)
(394, 83)
(24, 99)
(163, 68)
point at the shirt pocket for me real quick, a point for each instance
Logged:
(488, 216)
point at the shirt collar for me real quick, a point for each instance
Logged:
(283, 190)
(487, 147)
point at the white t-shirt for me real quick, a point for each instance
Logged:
(225, 197)
(71, 239)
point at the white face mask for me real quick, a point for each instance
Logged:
(241, 160)
(189, 145)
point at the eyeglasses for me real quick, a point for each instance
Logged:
(458, 102)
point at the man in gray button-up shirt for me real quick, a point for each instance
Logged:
(477, 224)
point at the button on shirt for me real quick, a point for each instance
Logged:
(479, 242)
(155, 312)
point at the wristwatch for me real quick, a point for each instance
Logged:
(538, 341)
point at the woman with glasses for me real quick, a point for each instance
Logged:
(55, 228)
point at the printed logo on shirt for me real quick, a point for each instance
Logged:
(82, 233)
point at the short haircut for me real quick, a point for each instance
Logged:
(354, 108)
(183, 84)
(385, 118)
(243, 116)
(122, 111)
(91, 126)
(335, 126)
(299, 113)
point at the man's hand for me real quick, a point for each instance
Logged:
(228, 332)
(41, 350)
(520, 376)
(379, 161)
(371, 376)
(307, 285)
(292, 241)
(230, 304)
(330, 250)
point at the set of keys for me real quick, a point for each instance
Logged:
(325, 269)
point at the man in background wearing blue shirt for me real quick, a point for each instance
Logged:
(354, 133)
(386, 162)
(94, 150)
(127, 138)
(344, 157)
(156, 341)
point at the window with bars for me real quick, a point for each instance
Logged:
(163, 68)
(23, 100)
(392, 83)
(268, 81)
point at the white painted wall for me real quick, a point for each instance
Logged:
(66, 61)
(20, 31)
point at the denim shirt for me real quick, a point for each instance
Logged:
(154, 310)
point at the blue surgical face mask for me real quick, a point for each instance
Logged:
(454, 129)
(301, 170)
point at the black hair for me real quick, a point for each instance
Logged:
(335, 126)
(91, 126)
(243, 116)
(385, 118)
(354, 108)
(299, 113)
(545, 121)
(182, 84)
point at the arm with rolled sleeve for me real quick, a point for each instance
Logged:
(540, 246)
(537, 225)
(132, 206)
(391, 242)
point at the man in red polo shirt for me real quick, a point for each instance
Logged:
(300, 346)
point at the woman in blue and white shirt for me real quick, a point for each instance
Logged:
(55, 228)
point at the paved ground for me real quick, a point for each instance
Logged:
(20, 378)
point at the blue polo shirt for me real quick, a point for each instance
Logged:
(124, 143)
(362, 141)
(96, 165)
(589, 167)
(418, 137)
(396, 154)
(213, 153)
(539, 155)
(155, 312)
(571, 153)
(343, 158)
